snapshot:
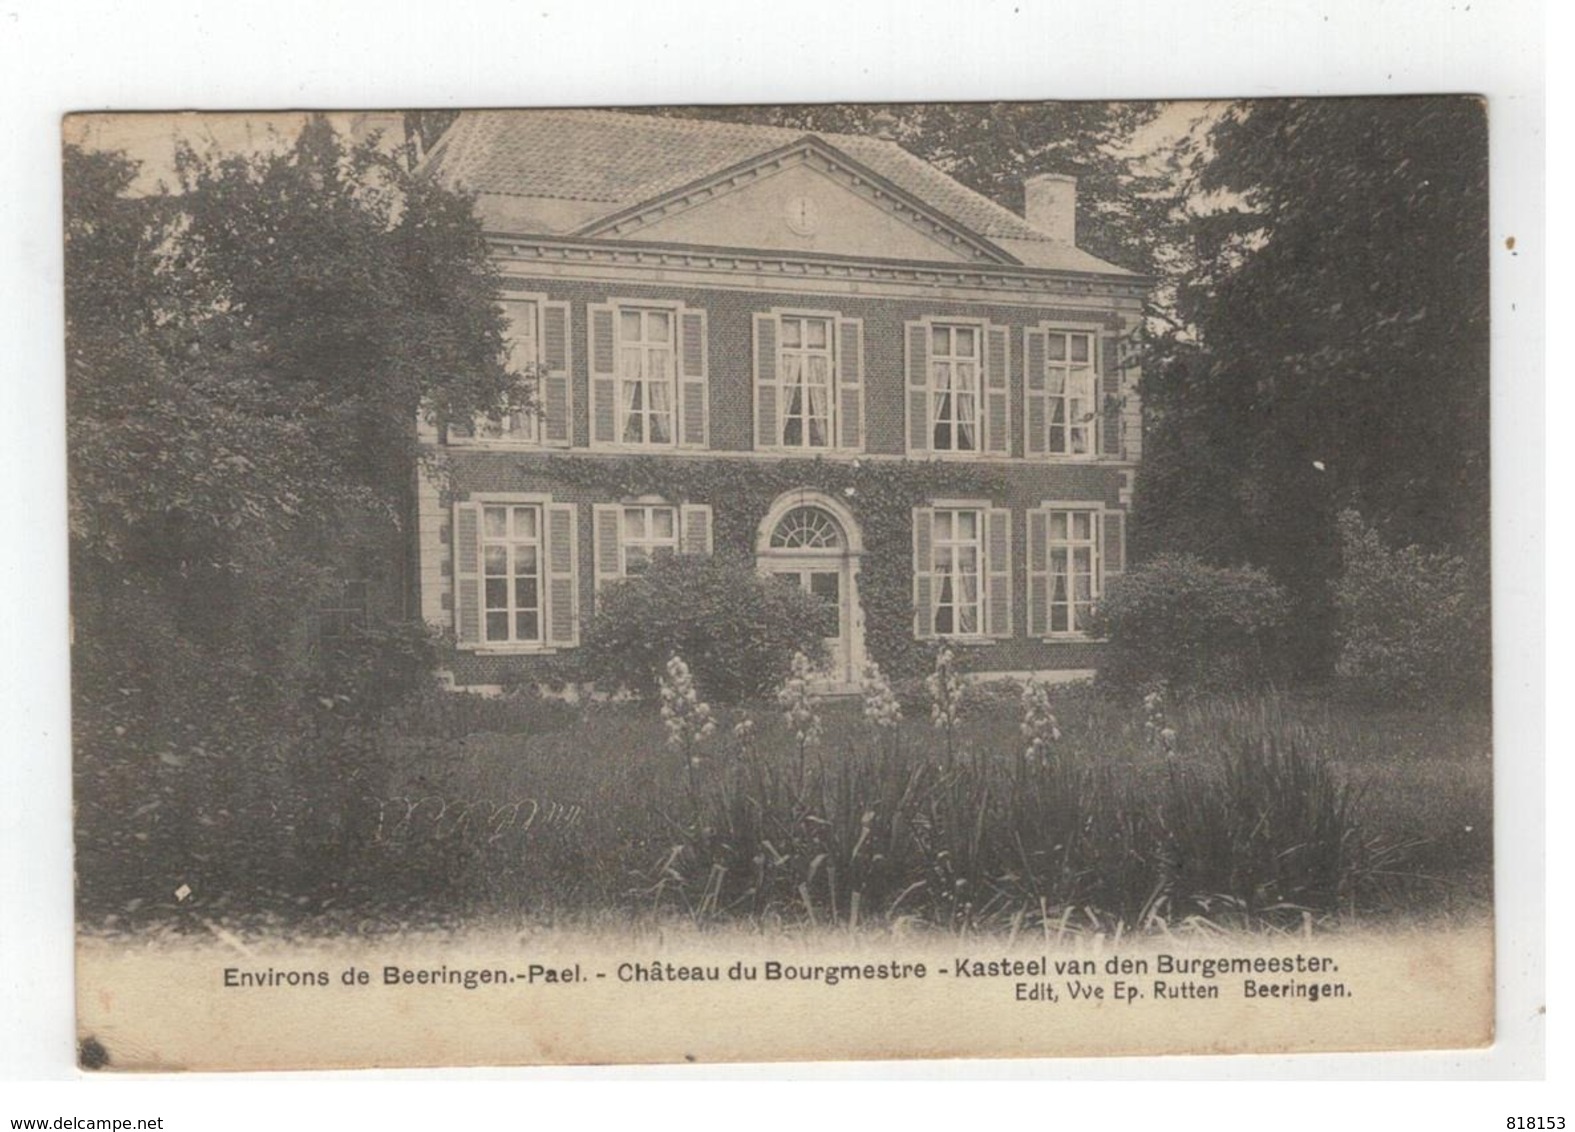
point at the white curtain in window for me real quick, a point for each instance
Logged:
(819, 401)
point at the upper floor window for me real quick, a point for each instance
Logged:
(806, 382)
(648, 376)
(1061, 394)
(809, 390)
(645, 376)
(954, 388)
(537, 341)
(1070, 393)
(959, 400)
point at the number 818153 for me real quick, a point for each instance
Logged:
(1534, 1123)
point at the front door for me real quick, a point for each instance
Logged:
(809, 541)
(825, 583)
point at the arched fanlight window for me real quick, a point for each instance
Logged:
(806, 528)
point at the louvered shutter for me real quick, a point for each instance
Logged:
(467, 574)
(693, 388)
(563, 615)
(768, 392)
(1038, 575)
(850, 384)
(1035, 405)
(997, 390)
(555, 376)
(1112, 544)
(998, 562)
(695, 528)
(604, 375)
(923, 573)
(1110, 395)
(606, 531)
(918, 370)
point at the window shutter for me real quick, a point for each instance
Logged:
(606, 530)
(923, 573)
(1034, 404)
(695, 528)
(467, 574)
(555, 378)
(918, 367)
(563, 615)
(1038, 575)
(604, 375)
(997, 388)
(1110, 395)
(693, 390)
(1112, 543)
(767, 383)
(850, 383)
(998, 548)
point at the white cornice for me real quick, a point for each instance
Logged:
(550, 258)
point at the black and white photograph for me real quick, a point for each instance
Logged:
(737, 582)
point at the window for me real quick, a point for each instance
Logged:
(630, 536)
(516, 573)
(1069, 380)
(537, 335)
(1074, 578)
(649, 533)
(1062, 394)
(646, 368)
(957, 560)
(954, 388)
(344, 611)
(649, 386)
(511, 574)
(806, 361)
(962, 571)
(958, 389)
(809, 388)
(1072, 552)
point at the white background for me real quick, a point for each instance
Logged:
(60, 57)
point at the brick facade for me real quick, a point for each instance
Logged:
(732, 288)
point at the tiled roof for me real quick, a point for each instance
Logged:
(593, 163)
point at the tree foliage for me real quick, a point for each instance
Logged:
(1339, 354)
(247, 356)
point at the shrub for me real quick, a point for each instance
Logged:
(1183, 623)
(1411, 625)
(737, 630)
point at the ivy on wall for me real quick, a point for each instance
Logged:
(881, 495)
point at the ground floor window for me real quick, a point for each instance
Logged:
(649, 533)
(958, 555)
(511, 574)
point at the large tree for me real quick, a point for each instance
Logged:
(247, 356)
(1340, 357)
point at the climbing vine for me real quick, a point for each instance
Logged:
(881, 495)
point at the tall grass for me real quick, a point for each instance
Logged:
(1267, 811)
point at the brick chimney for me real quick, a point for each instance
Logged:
(1050, 205)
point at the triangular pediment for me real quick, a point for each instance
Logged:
(806, 197)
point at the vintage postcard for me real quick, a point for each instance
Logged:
(771, 583)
